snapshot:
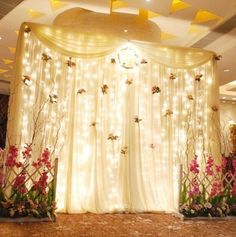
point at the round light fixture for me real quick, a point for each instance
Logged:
(128, 56)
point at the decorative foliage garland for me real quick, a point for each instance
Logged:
(27, 30)
(27, 80)
(46, 57)
(129, 81)
(53, 98)
(198, 77)
(81, 91)
(104, 89)
(155, 90)
(172, 76)
(70, 63)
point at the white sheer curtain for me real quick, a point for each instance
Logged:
(119, 144)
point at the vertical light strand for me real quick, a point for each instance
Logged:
(26, 71)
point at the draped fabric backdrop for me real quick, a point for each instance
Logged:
(119, 144)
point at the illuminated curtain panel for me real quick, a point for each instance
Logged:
(120, 134)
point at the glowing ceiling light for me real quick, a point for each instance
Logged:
(128, 56)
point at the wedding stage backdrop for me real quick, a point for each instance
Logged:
(120, 116)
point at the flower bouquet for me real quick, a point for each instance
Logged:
(208, 193)
(27, 187)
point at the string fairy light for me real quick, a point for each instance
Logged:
(136, 86)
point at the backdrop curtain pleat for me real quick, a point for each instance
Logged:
(119, 142)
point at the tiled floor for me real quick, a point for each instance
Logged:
(109, 225)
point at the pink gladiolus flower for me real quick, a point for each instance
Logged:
(216, 188)
(11, 157)
(43, 160)
(209, 166)
(41, 184)
(229, 174)
(195, 190)
(19, 181)
(46, 158)
(223, 162)
(27, 151)
(36, 164)
(218, 168)
(194, 166)
(22, 190)
(11, 160)
(234, 165)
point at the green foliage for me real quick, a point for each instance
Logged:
(51, 194)
(203, 194)
(2, 198)
(183, 194)
(216, 200)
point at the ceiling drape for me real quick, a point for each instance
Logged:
(84, 45)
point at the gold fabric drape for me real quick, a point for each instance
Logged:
(172, 56)
(119, 139)
(76, 44)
